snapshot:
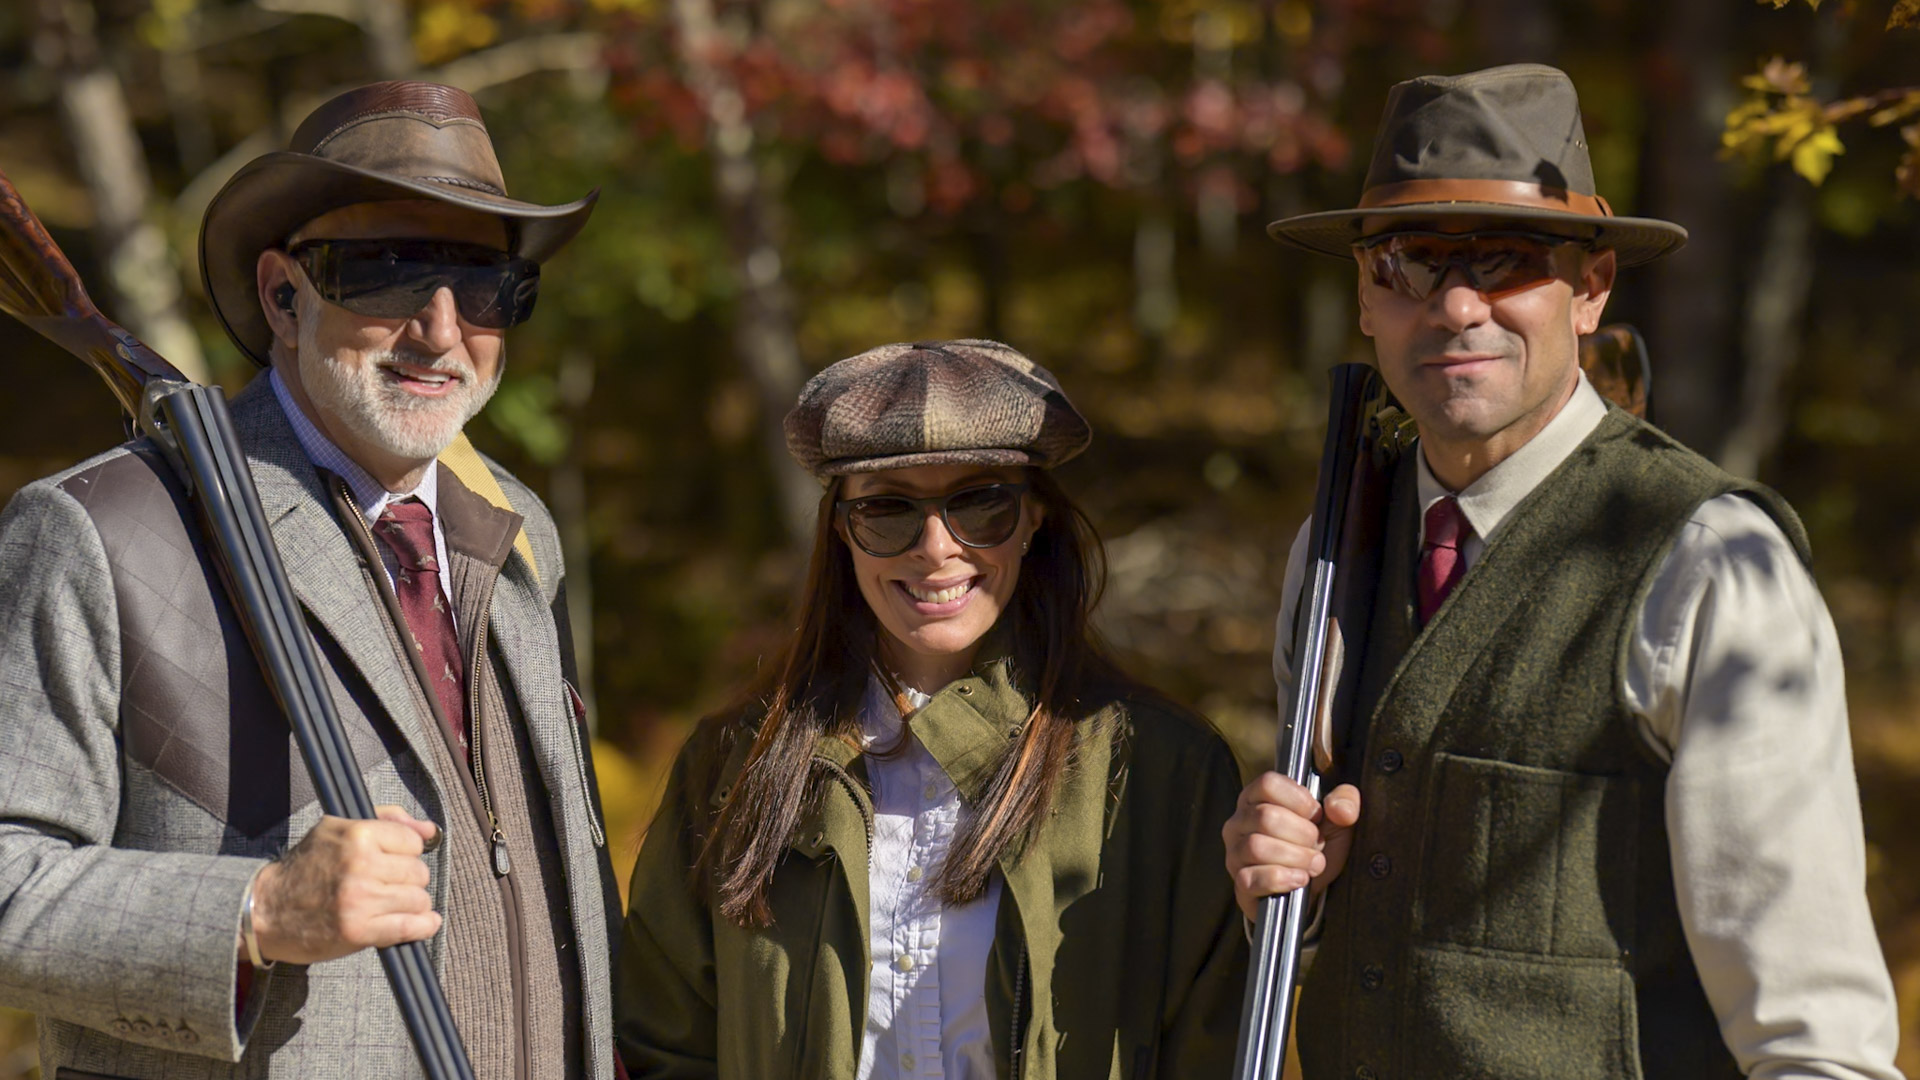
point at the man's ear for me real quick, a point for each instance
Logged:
(1596, 285)
(273, 281)
(1360, 290)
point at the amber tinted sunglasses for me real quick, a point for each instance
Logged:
(1495, 264)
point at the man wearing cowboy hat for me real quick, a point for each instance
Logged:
(172, 902)
(1601, 819)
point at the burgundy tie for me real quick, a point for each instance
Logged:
(1441, 566)
(407, 529)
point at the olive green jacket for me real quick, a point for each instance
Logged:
(1118, 953)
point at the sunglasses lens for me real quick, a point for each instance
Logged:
(394, 279)
(1415, 264)
(884, 526)
(983, 516)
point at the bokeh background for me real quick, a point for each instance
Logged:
(787, 182)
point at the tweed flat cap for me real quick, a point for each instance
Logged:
(969, 402)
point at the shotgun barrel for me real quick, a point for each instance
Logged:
(191, 426)
(1364, 434)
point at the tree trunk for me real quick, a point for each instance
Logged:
(142, 282)
(568, 495)
(1773, 327)
(1690, 329)
(764, 322)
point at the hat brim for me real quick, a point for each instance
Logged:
(850, 466)
(276, 193)
(1633, 240)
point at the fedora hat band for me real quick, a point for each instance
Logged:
(1502, 192)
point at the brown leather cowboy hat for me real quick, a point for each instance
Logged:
(1504, 143)
(390, 140)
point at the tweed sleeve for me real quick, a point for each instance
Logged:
(138, 944)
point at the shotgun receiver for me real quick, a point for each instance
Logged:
(191, 426)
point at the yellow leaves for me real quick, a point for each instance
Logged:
(1778, 109)
(449, 28)
(1905, 15)
(1813, 156)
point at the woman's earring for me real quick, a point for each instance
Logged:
(1024, 545)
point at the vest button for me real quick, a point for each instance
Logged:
(1365, 1073)
(1372, 977)
(1379, 866)
(1390, 761)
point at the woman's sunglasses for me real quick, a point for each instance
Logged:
(1495, 264)
(886, 525)
(393, 279)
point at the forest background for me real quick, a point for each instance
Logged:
(787, 182)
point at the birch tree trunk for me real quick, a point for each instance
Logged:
(1773, 328)
(142, 281)
(764, 322)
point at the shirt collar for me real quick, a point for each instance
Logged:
(1487, 501)
(371, 495)
(880, 719)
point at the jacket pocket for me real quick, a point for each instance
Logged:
(577, 713)
(1482, 1013)
(1527, 860)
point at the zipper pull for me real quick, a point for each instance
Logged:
(502, 862)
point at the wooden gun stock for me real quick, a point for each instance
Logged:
(39, 287)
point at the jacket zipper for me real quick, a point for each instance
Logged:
(497, 841)
(1015, 1042)
(847, 781)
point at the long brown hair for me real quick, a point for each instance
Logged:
(804, 693)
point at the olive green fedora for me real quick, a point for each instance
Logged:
(1503, 143)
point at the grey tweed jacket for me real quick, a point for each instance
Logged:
(126, 842)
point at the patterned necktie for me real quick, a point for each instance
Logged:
(407, 529)
(1441, 566)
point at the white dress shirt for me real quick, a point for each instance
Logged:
(1734, 676)
(371, 495)
(926, 993)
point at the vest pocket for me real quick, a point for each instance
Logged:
(1527, 860)
(1486, 1014)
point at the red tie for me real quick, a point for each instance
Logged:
(1441, 566)
(407, 529)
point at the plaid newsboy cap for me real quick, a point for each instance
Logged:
(968, 402)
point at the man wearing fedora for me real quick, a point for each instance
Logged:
(1600, 819)
(172, 901)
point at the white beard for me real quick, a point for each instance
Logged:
(367, 403)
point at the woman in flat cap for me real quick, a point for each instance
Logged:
(943, 835)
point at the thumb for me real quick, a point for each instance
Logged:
(1341, 809)
(428, 831)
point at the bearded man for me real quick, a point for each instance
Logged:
(1600, 819)
(172, 901)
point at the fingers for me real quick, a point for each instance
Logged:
(1280, 839)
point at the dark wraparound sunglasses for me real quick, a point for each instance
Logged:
(886, 525)
(393, 279)
(1495, 264)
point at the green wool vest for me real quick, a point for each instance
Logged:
(1508, 907)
